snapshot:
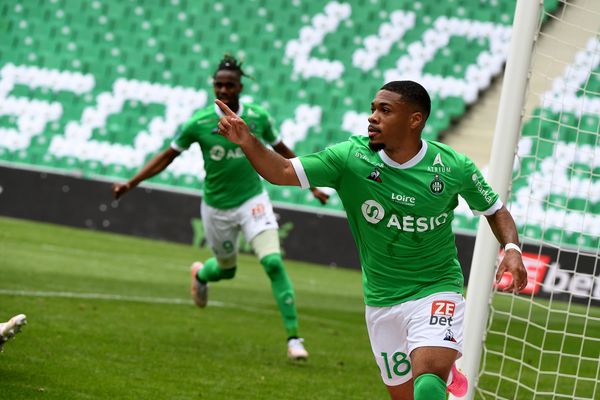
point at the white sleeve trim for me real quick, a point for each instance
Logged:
(300, 173)
(490, 211)
(276, 141)
(177, 148)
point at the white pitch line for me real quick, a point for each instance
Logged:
(150, 300)
(105, 296)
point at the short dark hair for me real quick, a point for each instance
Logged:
(411, 92)
(230, 63)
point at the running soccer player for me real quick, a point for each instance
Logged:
(234, 197)
(10, 328)
(399, 192)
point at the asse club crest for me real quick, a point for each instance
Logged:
(436, 185)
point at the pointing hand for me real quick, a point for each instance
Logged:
(232, 127)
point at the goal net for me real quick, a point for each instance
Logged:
(545, 342)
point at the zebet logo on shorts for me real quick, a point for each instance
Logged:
(373, 212)
(442, 312)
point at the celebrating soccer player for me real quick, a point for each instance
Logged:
(399, 192)
(234, 197)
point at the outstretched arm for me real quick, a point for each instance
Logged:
(504, 229)
(286, 152)
(156, 165)
(270, 165)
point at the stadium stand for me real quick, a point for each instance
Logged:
(95, 88)
(560, 141)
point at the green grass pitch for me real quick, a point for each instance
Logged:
(110, 318)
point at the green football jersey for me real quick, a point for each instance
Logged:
(401, 214)
(230, 178)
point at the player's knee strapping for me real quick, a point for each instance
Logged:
(266, 243)
(214, 270)
(429, 387)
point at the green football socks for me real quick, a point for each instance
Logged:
(212, 272)
(283, 292)
(429, 387)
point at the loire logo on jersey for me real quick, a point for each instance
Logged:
(483, 191)
(442, 312)
(217, 153)
(403, 199)
(372, 211)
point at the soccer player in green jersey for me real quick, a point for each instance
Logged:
(399, 192)
(234, 197)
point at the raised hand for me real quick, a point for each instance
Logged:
(119, 189)
(232, 127)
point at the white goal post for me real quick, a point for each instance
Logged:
(525, 27)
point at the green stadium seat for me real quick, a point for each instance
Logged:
(551, 5)
(578, 204)
(589, 130)
(589, 242)
(567, 129)
(531, 127)
(454, 106)
(187, 181)
(482, 13)
(596, 174)
(553, 235)
(462, 222)
(284, 194)
(543, 148)
(47, 160)
(581, 171)
(558, 200)
(571, 238)
(119, 172)
(531, 231)
(68, 163)
(93, 168)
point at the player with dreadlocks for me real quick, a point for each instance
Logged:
(234, 197)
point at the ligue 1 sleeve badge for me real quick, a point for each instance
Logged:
(436, 185)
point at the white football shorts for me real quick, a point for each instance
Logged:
(222, 227)
(394, 332)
